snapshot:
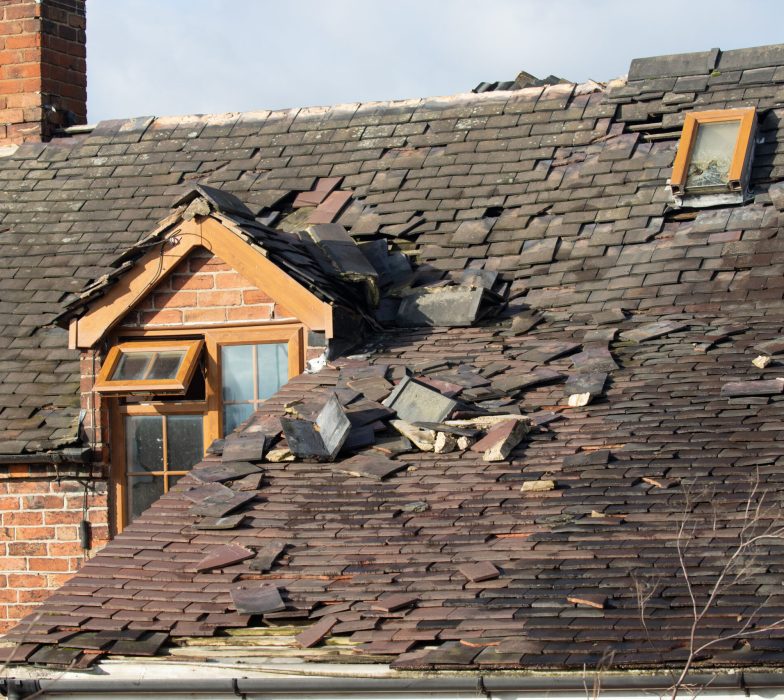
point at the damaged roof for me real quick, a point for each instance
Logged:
(295, 254)
(636, 350)
(560, 188)
(431, 557)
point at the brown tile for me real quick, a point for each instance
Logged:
(222, 556)
(316, 632)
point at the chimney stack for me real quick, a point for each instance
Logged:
(43, 68)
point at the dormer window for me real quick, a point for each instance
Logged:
(199, 327)
(714, 157)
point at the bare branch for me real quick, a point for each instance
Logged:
(759, 523)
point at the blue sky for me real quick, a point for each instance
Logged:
(162, 57)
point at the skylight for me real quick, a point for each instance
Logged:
(714, 157)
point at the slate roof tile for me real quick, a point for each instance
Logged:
(532, 536)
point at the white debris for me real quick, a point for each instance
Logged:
(762, 361)
(577, 400)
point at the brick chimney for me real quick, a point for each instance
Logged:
(43, 68)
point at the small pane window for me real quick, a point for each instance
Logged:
(249, 375)
(149, 367)
(159, 450)
(184, 443)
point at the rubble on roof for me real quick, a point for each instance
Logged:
(373, 421)
(319, 433)
(345, 256)
(523, 80)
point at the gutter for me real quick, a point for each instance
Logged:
(479, 686)
(75, 455)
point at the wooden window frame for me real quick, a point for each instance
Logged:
(119, 474)
(738, 172)
(213, 338)
(178, 385)
(292, 334)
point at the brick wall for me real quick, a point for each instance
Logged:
(202, 290)
(96, 412)
(43, 69)
(39, 534)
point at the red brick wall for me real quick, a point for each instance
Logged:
(202, 290)
(42, 66)
(96, 415)
(39, 534)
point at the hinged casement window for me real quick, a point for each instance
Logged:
(158, 367)
(714, 153)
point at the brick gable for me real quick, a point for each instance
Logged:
(203, 290)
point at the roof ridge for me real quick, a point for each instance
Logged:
(304, 112)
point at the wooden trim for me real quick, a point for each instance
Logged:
(165, 452)
(182, 331)
(134, 285)
(264, 274)
(162, 408)
(117, 475)
(130, 288)
(746, 117)
(106, 385)
(72, 334)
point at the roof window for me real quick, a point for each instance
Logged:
(714, 155)
(161, 367)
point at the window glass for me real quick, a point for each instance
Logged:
(165, 365)
(132, 365)
(138, 366)
(143, 491)
(237, 371)
(234, 414)
(250, 374)
(184, 442)
(144, 443)
(273, 368)
(711, 155)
